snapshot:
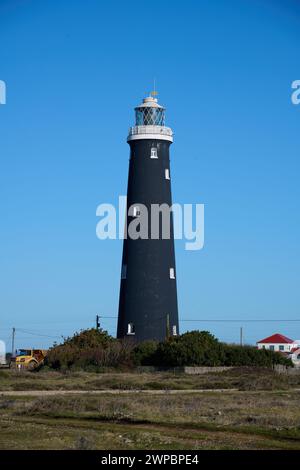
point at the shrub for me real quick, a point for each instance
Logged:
(251, 356)
(190, 349)
(201, 348)
(94, 349)
(90, 349)
(144, 353)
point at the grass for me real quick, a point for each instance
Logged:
(241, 378)
(263, 414)
(245, 420)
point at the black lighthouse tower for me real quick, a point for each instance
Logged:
(148, 294)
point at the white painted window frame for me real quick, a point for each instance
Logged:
(136, 211)
(172, 273)
(130, 329)
(153, 153)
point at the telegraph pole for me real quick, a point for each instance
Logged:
(168, 326)
(241, 336)
(13, 342)
(97, 322)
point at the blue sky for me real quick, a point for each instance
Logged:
(74, 72)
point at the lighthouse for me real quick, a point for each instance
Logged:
(148, 294)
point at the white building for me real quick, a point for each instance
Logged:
(278, 342)
(2, 353)
(295, 357)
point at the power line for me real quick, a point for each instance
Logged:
(230, 320)
(18, 338)
(211, 320)
(35, 333)
(191, 320)
(240, 320)
(73, 321)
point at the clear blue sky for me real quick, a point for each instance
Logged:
(74, 72)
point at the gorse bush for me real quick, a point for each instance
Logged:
(95, 349)
(192, 348)
(201, 348)
(144, 354)
(90, 349)
(249, 356)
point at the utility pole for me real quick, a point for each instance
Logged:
(168, 326)
(13, 342)
(241, 336)
(97, 322)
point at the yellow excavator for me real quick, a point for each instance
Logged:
(29, 359)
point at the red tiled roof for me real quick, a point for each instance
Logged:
(277, 338)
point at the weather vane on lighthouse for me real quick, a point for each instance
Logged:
(154, 93)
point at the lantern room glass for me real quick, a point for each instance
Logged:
(148, 116)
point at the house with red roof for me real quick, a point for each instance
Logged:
(278, 342)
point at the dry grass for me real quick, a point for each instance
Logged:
(240, 420)
(270, 410)
(241, 378)
(264, 414)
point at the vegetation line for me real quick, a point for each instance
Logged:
(152, 426)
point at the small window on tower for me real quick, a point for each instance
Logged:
(136, 211)
(154, 152)
(130, 329)
(174, 330)
(124, 271)
(172, 273)
(167, 173)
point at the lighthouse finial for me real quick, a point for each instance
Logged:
(154, 92)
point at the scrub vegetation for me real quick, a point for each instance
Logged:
(210, 420)
(91, 395)
(240, 378)
(95, 349)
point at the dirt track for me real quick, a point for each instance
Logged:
(38, 393)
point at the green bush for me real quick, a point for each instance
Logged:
(251, 356)
(96, 349)
(90, 349)
(200, 348)
(190, 349)
(144, 353)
